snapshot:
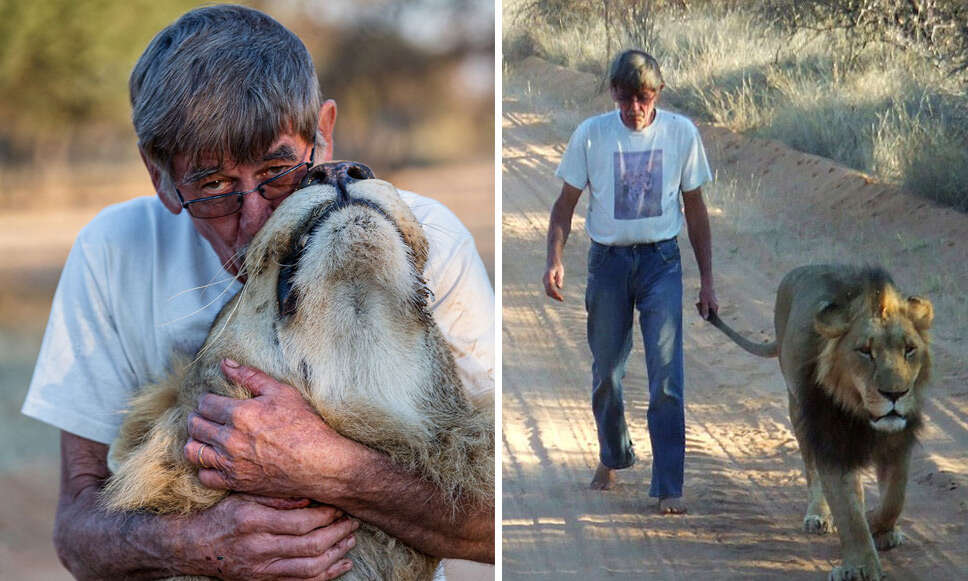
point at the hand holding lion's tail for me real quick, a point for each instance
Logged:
(759, 349)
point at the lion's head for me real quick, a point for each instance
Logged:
(339, 264)
(876, 353)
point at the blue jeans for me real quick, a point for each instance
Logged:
(620, 279)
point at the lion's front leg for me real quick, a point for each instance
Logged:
(892, 477)
(817, 518)
(860, 562)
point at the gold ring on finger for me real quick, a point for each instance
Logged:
(199, 456)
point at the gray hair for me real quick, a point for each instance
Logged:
(224, 80)
(634, 70)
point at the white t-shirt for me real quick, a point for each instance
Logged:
(635, 177)
(141, 283)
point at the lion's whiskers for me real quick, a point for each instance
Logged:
(213, 337)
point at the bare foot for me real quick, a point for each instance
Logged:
(672, 505)
(604, 478)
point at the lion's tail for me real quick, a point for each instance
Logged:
(150, 472)
(760, 349)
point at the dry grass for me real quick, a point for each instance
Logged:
(884, 111)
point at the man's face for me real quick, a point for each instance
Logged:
(636, 107)
(229, 235)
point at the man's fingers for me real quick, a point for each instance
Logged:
(278, 503)
(257, 382)
(552, 292)
(552, 284)
(217, 408)
(318, 555)
(298, 521)
(332, 540)
(204, 430)
(211, 478)
(703, 309)
(312, 569)
(338, 569)
(203, 455)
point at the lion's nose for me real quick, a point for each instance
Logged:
(893, 395)
(337, 173)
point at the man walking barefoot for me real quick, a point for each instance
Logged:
(638, 162)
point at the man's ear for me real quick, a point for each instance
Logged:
(161, 183)
(327, 120)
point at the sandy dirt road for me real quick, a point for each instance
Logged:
(771, 209)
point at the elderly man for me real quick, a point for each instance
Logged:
(229, 116)
(638, 162)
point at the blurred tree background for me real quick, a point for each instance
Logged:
(413, 80)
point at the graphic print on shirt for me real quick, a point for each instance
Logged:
(638, 184)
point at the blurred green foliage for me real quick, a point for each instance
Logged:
(64, 65)
(403, 73)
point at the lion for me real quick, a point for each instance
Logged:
(335, 305)
(855, 355)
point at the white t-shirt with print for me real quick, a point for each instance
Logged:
(635, 177)
(141, 283)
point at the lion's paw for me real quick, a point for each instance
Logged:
(888, 539)
(817, 524)
(849, 573)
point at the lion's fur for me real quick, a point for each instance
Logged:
(856, 356)
(361, 347)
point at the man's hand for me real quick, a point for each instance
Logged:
(554, 280)
(249, 537)
(274, 444)
(707, 302)
(241, 537)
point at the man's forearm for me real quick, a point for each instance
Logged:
(94, 544)
(559, 227)
(414, 510)
(559, 224)
(700, 236)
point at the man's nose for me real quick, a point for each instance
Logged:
(254, 213)
(339, 174)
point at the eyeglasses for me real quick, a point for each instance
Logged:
(644, 98)
(275, 188)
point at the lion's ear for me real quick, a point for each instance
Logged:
(832, 321)
(921, 312)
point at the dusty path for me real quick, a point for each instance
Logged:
(772, 209)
